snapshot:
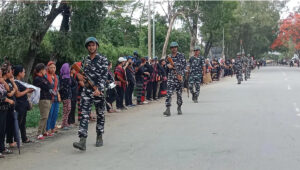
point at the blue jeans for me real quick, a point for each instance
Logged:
(53, 116)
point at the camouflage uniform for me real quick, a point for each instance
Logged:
(245, 61)
(238, 66)
(97, 70)
(250, 63)
(196, 65)
(173, 83)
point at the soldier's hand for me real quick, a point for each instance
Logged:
(80, 77)
(97, 93)
(170, 66)
(179, 77)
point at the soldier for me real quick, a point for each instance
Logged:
(245, 65)
(175, 77)
(196, 68)
(238, 67)
(95, 67)
(250, 62)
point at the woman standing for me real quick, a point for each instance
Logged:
(40, 81)
(22, 104)
(66, 94)
(111, 92)
(74, 85)
(4, 103)
(10, 128)
(55, 98)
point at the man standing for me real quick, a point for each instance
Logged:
(95, 67)
(176, 64)
(238, 67)
(196, 68)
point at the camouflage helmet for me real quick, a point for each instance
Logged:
(196, 48)
(173, 44)
(91, 39)
(238, 54)
(248, 55)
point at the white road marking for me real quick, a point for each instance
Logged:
(284, 73)
(296, 109)
(289, 87)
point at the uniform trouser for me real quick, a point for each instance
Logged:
(149, 90)
(10, 128)
(128, 94)
(52, 117)
(120, 97)
(3, 116)
(239, 75)
(174, 85)
(79, 110)
(195, 83)
(154, 87)
(87, 99)
(22, 113)
(66, 112)
(71, 118)
(44, 106)
(139, 91)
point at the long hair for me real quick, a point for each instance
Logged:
(38, 68)
(5, 68)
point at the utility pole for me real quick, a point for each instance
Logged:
(223, 52)
(153, 39)
(149, 31)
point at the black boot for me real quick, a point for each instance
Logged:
(99, 140)
(196, 99)
(167, 112)
(81, 145)
(179, 110)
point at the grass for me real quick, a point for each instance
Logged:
(33, 116)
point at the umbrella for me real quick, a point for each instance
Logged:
(17, 130)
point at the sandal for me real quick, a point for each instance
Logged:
(27, 141)
(7, 151)
(13, 145)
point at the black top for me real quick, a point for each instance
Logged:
(139, 75)
(45, 87)
(65, 90)
(74, 87)
(130, 74)
(79, 87)
(23, 100)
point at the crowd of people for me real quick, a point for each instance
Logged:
(143, 77)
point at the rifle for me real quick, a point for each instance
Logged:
(89, 81)
(179, 77)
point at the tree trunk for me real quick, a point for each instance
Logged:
(208, 46)
(193, 35)
(164, 51)
(37, 38)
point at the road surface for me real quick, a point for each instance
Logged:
(252, 126)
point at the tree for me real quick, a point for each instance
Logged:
(289, 34)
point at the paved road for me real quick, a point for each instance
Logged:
(252, 126)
